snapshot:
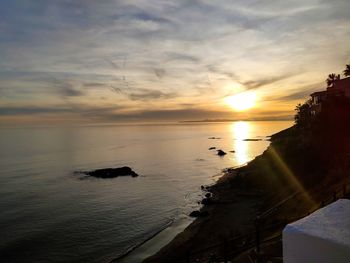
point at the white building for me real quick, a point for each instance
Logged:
(321, 237)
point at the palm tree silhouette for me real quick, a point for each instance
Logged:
(347, 70)
(332, 78)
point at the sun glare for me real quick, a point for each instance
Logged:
(241, 131)
(242, 101)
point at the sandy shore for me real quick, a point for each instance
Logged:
(154, 243)
(231, 214)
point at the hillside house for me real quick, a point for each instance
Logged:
(340, 88)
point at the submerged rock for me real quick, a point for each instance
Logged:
(252, 140)
(112, 172)
(221, 153)
(205, 187)
(214, 138)
(212, 148)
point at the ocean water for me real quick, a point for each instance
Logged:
(50, 214)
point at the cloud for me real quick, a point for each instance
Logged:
(303, 93)
(224, 72)
(135, 13)
(148, 94)
(156, 115)
(52, 84)
(174, 56)
(147, 53)
(30, 110)
(106, 113)
(94, 85)
(189, 114)
(65, 88)
(35, 85)
(258, 83)
(77, 109)
(159, 72)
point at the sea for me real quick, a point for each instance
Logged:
(49, 213)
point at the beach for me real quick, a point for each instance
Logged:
(232, 213)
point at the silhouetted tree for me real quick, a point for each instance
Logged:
(303, 117)
(332, 78)
(347, 70)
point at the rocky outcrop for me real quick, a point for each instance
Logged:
(221, 153)
(111, 172)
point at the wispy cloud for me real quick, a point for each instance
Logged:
(9, 111)
(159, 72)
(78, 109)
(302, 93)
(65, 88)
(167, 54)
(259, 83)
(147, 94)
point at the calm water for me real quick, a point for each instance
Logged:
(48, 214)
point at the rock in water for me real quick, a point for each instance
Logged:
(208, 195)
(112, 172)
(212, 148)
(221, 153)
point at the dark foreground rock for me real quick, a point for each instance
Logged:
(207, 201)
(112, 172)
(198, 213)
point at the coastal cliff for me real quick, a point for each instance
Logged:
(303, 166)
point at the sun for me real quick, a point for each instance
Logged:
(242, 101)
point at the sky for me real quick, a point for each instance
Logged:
(108, 61)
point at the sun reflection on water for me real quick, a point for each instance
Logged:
(240, 132)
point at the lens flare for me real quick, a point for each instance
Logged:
(292, 179)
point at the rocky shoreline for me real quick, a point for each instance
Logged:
(226, 212)
(287, 170)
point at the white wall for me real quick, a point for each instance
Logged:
(322, 237)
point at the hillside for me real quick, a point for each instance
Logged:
(305, 167)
